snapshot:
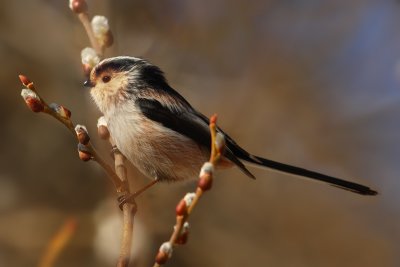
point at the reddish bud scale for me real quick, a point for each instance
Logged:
(64, 112)
(79, 6)
(213, 119)
(30, 86)
(84, 153)
(84, 156)
(24, 80)
(103, 132)
(86, 69)
(205, 182)
(83, 137)
(181, 208)
(161, 258)
(34, 104)
(182, 239)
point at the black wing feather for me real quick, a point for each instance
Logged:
(186, 123)
(178, 121)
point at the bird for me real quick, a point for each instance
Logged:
(162, 135)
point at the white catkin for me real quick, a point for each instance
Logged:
(186, 226)
(220, 141)
(89, 57)
(166, 248)
(25, 93)
(208, 167)
(79, 126)
(101, 122)
(100, 26)
(188, 198)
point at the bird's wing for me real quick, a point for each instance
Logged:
(186, 122)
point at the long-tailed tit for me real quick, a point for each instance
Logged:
(162, 134)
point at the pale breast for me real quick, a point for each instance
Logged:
(155, 150)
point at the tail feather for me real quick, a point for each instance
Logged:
(347, 185)
(240, 153)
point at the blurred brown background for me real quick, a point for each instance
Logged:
(311, 83)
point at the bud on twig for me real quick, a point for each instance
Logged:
(213, 119)
(24, 80)
(89, 57)
(78, 6)
(181, 208)
(207, 168)
(82, 134)
(60, 110)
(84, 153)
(205, 177)
(101, 31)
(188, 198)
(164, 253)
(102, 129)
(220, 142)
(86, 69)
(32, 100)
(183, 237)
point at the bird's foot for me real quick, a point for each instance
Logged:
(130, 198)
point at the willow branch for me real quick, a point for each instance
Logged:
(187, 204)
(84, 19)
(128, 208)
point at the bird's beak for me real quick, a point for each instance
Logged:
(88, 83)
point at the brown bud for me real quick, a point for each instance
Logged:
(86, 69)
(182, 239)
(84, 153)
(32, 100)
(84, 156)
(181, 208)
(103, 132)
(78, 6)
(64, 112)
(60, 110)
(205, 182)
(82, 134)
(24, 80)
(213, 119)
(34, 104)
(161, 257)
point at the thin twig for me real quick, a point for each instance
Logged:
(184, 209)
(84, 18)
(119, 176)
(128, 209)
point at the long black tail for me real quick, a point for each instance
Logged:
(240, 153)
(350, 186)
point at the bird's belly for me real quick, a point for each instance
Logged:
(157, 151)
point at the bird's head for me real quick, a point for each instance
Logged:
(119, 79)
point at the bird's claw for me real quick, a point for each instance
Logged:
(127, 198)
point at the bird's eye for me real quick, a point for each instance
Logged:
(106, 78)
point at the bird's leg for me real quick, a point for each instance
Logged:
(114, 150)
(130, 198)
